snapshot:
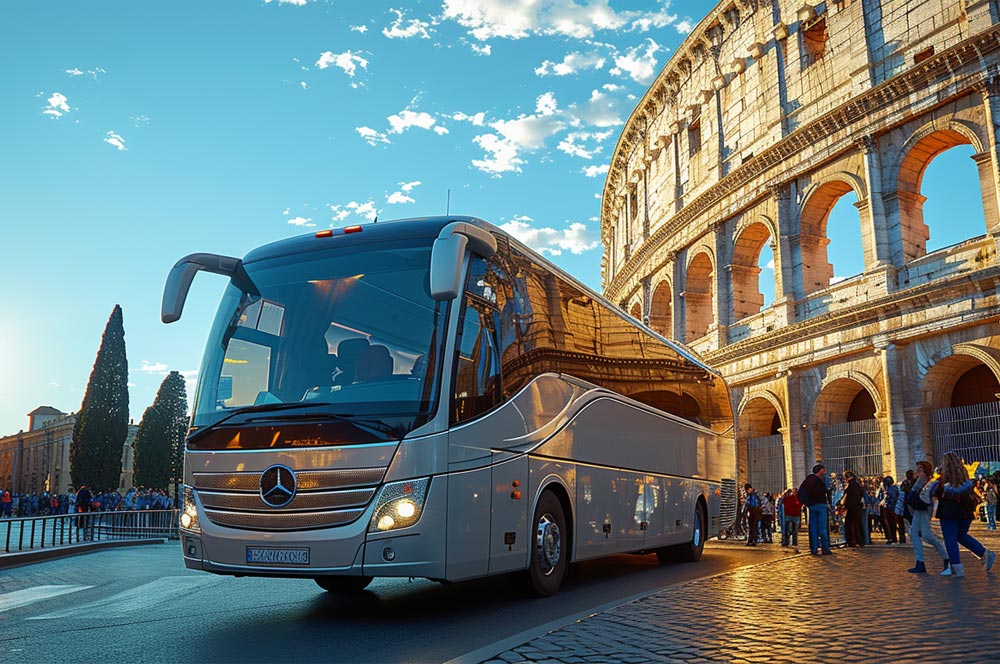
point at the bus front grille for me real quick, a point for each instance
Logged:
(306, 480)
(282, 520)
(727, 504)
(315, 500)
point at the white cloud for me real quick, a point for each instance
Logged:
(398, 197)
(476, 119)
(612, 87)
(583, 144)
(366, 210)
(371, 136)
(75, 72)
(441, 131)
(571, 64)
(304, 85)
(576, 238)
(594, 171)
(502, 155)
(400, 122)
(546, 104)
(359, 28)
(301, 221)
(684, 26)
(770, 265)
(599, 111)
(139, 120)
(481, 49)
(409, 186)
(485, 19)
(297, 3)
(153, 367)
(190, 379)
(115, 140)
(348, 62)
(93, 73)
(58, 106)
(401, 29)
(639, 62)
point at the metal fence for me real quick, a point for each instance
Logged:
(767, 464)
(853, 446)
(971, 432)
(43, 532)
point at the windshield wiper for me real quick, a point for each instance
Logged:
(361, 422)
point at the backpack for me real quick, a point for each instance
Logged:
(802, 495)
(913, 499)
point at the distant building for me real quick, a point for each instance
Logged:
(37, 460)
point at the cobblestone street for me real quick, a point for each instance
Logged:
(854, 606)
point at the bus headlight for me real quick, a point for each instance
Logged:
(399, 505)
(189, 515)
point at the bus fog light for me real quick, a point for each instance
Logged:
(388, 554)
(186, 520)
(399, 505)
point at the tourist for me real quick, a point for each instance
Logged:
(792, 510)
(918, 502)
(767, 518)
(752, 510)
(991, 505)
(854, 504)
(888, 495)
(812, 493)
(954, 504)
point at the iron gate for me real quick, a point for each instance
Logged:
(853, 446)
(767, 464)
(971, 432)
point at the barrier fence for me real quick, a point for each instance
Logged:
(40, 532)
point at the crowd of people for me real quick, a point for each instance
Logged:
(863, 508)
(85, 499)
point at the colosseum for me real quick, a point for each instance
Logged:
(767, 114)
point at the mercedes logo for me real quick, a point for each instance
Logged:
(277, 486)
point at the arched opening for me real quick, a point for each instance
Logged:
(830, 231)
(761, 447)
(939, 195)
(682, 405)
(850, 433)
(661, 316)
(699, 312)
(748, 298)
(967, 419)
(636, 311)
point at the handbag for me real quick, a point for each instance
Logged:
(913, 500)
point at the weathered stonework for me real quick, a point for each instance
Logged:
(766, 115)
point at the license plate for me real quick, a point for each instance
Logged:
(272, 556)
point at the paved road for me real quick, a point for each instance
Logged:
(141, 605)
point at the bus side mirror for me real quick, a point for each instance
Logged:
(448, 252)
(179, 280)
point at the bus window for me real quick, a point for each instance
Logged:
(477, 370)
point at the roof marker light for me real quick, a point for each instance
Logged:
(352, 229)
(327, 233)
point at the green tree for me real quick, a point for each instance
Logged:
(159, 442)
(102, 422)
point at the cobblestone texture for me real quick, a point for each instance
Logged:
(849, 607)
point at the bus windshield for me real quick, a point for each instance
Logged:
(352, 331)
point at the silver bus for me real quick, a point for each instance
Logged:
(430, 398)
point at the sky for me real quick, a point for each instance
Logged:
(134, 133)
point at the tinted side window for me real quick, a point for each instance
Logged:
(477, 367)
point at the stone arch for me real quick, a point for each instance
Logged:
(838, 391)
(754, 427)
(635, 310)
(919, 150)
(949, 366)
(699, 290)
(817, 203)
(661, 304)
(745, 271)
(760, 456)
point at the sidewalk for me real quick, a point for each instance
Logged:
(854, 606)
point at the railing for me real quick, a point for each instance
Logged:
(971, 432)
(853, 446)
(767, 464)
(41, 532)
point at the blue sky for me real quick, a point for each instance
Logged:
(134, 133)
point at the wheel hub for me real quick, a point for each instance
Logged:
(548, 544)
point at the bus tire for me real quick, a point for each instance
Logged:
(343, 584)
(549, 550)
(689, 552)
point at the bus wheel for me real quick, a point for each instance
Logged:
(689, 552)
(548, 547)
(343, 584)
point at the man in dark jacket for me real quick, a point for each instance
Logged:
(753, 510)
(813, 490)
(853, 500)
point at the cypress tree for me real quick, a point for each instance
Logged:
(159, 442)
(102, 421)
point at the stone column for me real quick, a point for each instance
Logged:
(647, 298)
(786, 257)
(678, 283)
(897, 443)
(989, 89)
(723, 285)
(799, 458)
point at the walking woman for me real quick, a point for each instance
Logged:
(955, 506)
(919, 503)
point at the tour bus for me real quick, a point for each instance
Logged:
(430, 398)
